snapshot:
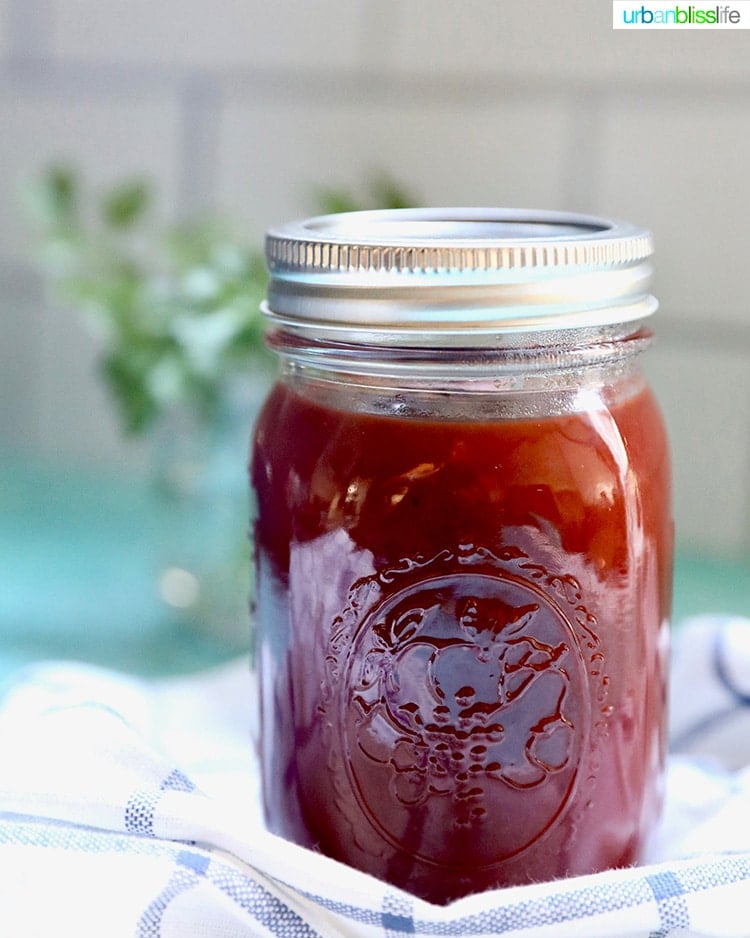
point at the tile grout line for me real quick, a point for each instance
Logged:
(34, 68)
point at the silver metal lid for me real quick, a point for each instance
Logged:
(444, 275)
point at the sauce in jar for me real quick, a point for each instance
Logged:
(463, 558)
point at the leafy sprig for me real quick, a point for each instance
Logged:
(176, 307)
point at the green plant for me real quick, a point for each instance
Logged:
(176, 307)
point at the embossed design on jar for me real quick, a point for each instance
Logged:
(459, 698)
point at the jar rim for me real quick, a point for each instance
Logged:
(438, 272)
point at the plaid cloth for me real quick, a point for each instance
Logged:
(131, 808)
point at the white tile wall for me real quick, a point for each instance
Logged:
(683, 171)
(107, 138)
(4, 4)
(274, 157)
(218, 34)
(567, 42)
(249, 106)
(705, 398)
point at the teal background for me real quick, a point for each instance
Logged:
(80, 555)
(81, 551)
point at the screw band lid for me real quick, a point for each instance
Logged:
(451, 275)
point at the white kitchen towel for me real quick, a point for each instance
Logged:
(131, 808)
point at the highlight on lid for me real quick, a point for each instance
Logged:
(488, 269)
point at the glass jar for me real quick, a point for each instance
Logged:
(463, 547)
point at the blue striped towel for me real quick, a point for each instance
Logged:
(130, 808)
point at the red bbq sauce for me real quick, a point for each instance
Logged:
(462, 601)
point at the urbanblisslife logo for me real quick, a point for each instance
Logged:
(666, 14)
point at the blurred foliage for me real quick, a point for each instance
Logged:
(381, 192)
(176, 308)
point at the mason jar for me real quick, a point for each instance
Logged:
(463, 544)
